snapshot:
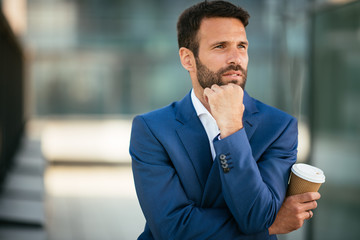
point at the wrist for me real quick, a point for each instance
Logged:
(271, 230)
(225, 132)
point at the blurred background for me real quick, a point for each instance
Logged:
(73, 74)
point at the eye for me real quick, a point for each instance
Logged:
(241, 46)
(220, 46)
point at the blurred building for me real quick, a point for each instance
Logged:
(112, 59)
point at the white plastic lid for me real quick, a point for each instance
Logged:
(308, 172)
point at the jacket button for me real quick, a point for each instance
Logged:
(222, 156)
(226, 170)
(225, 165)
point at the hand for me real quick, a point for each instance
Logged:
(294, 210)
(226, 106)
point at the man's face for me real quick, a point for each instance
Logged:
(223, 56)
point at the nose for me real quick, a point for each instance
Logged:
(235, 57)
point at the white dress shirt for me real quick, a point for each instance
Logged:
(209, 123)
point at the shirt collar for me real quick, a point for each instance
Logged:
(199, 107)
(207, 120)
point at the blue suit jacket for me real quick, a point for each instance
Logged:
(184, 194)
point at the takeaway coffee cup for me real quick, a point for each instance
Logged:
(305, 178)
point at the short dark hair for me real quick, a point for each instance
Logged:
(189, 21)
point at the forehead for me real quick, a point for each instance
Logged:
(221, 29)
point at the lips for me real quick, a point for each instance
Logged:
(233, 74)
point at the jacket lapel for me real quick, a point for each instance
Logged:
(194, 138)
(250, 120)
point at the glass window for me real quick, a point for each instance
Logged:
(336, 118)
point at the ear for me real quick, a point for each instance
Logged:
(187, 59)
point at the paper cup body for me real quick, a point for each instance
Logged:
(305, 178)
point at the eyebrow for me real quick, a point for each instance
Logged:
(225, 42)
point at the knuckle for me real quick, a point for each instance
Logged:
(315, 195)
(312, 195)
(309, 196)
(297, 209)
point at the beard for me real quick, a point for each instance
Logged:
(207, 78)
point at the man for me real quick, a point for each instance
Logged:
(215, 165)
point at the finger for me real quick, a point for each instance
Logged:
(306, 215)
(233, 85)
(309, 205)
(230, 86)
(307, 197)
(310, 214)
(207, 94)
(208, 91)
(215, 87)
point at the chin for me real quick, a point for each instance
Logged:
(241, 83)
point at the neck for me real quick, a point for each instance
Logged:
(199, 93)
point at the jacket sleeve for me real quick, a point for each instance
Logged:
(167, 210)
(255, 189)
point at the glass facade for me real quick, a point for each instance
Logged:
(103, 57)
(336, 119)
(116, 57)
(121, 57)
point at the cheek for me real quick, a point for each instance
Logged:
(214, 65)
(217, 62)
(245, 59)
